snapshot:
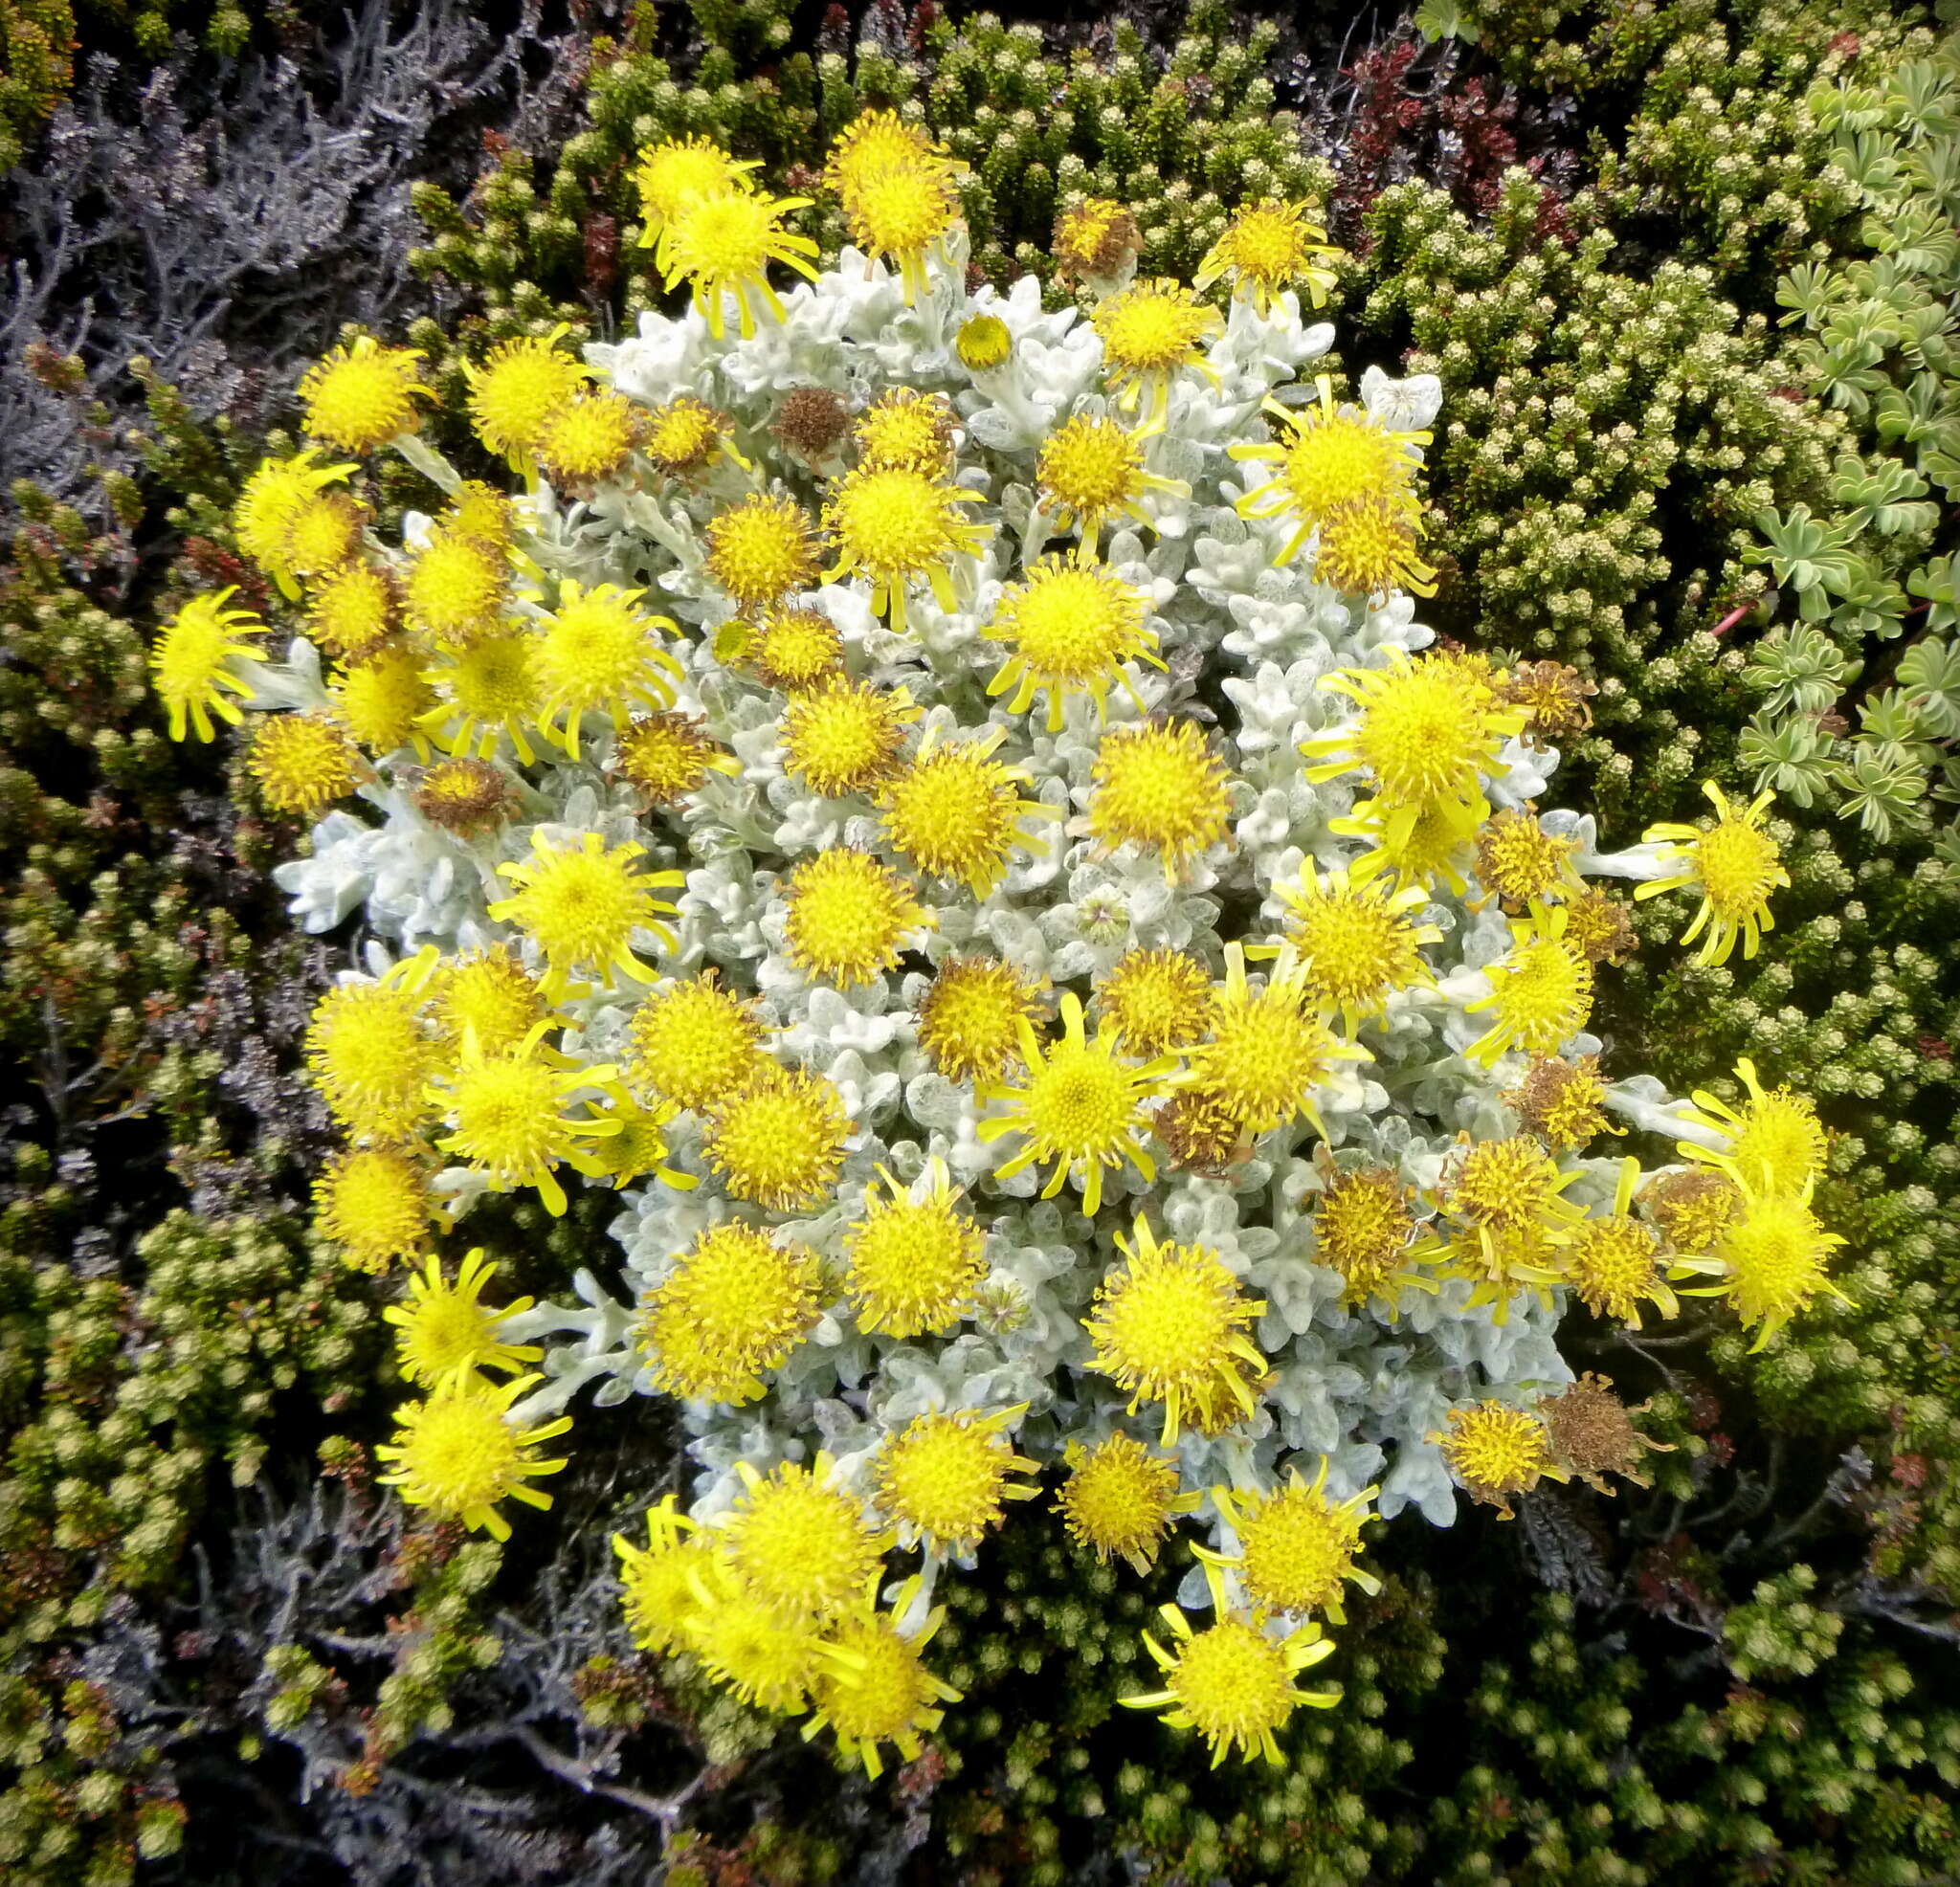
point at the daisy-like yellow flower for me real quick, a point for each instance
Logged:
(1159, 786)
(637, 1150)
(1095, 243)
(597, 653)
(581, 904)
(694, 1042)
(373, 1203)
(794, 649)
(903, 427)
(779, 1141)
(969, 1020)
(353, 609)
(722, 245)
(589, 438)
(1365, 1229)
(656, 1581)
(380, 698)
(1150, 331)
(675, 174)
(1267, 246)
(735, 1305)
(1267, 1053)
(898, 526)
(1069, 629)
(323, 535)
(484, 996)
(903, 210)
(304, 762)
(1774, 1143)
(1156, 1000)
(1770, 1258)
(797, 1542)
(1522, 864)
(1090, 470)
(1432, 850)
(462, 1450)
(843, 737)
(1356, 944)
(1232, 1681)
(761, 549)
(456, 588)
(871, 1685)
(1171, 1325)
(1078, 1106)
(1369, 549)
(983, 343)
(1614, 1262)
(849, 915)
(669, 756)
(685, 435)
(518, 388)
(945, 1479)
(747, 1647)
(272, 497)
(1119, 1499)
(192, 662)
(1541, 989)
(370, 1056)
(1735, 866)
(1295, 1547)
(1329, 457)
(1508, 1197)
(1428, 734)
(362, 396)
(507, 1117)
(956, 813)
(445, 1330)
(487, 691)
(912, 1264)
(876, 142)
(1495, 1450)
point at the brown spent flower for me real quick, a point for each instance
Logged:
(1562, 1102)
(1095, 242)
(811, 423)
(1554, 695)
(465, 796)
(1599, 927)
(1590, 1432)
(1692, 1207)
(1199, 1132)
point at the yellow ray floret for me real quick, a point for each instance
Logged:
(1614, 1259)
(462, 1450)
(518, 389)
(1774, 1143)
(955, 812)
(656, 1581)
(1495, 1450)
(912, 1264)
(596, 651)
(272, 497)
(1268, 245)
(487, 691)
(1356, 944)
(362, 396)
(723, 244)
(1295, 1547)
(1735, 866)
(798, 1544)
(1541, 989)
(898, 526)
(673, 174)
(1090, 470)
(1772, 1256)
(1149, 332)
(871, 1686)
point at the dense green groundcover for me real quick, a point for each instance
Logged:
(1646, 254)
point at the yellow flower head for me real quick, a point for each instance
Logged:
(1600, 927)
(872, 1687)
(1330, 458)
(1171, 1324)
(656, 1581)
(1735, 865)
(489, 689)
(875, 142)
(913, 1264)
(735, 1305)
(1268, 1051)
(1159, 786)
(484, 996)
(370, 1058)
(1428, 733)
(1774, 1142)
(353, 609)
(1356, 944)
(272, 497)
(1508, 1197)
(897, 525)
(1090, 470)
(1365, 1230)
(1425, 852)
(969, 1020)
(455, 593)
(192, 662)
(849, 917)
(1367, 548)
(670, 756)
(794, 649)
(1693, 1207)
(1156, 1000)
(373, 1203)
(460, 1451)
(685, 435)
(505, 1110)
(723, 244)
(445, 1331)
(945, 1479)
(1772, 1257)
(761, 549)
(1266, 247)
(323, 535)
(1563, 1103)
(1522, 862)
(1069, 629)
(747, 1647)
(901, 427)
(589, 438)
(843, 737)
(520, 385)
(983, 343)
(1232, 1681)
(1495, 1450)
(1541, 989)
(1614, 1262)
(798, 1544)
(581, 904)
(955, 812)
(1150, 330)
(304, 762)
(695, 1043)
(779, 1141)
(381, 699)
(1096, 243)
(597, 653)
(673, 174)
(361, 396)
(1295, 1547)
(903, 211)
(1120, 1499)
(1078, 1106)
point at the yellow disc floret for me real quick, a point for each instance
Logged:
(1150, 330)
(381, 699)
(798, 1544)
(793, 649)
(445, 1329)
(362, 396)
(657, 1579)
(897, 526)
(371, 1059)
(488, 689)
(353, 609)
(779, 1141)
(1614, 1262)
(684, 435)
(969, 1020)
(1495, 1450)
(304, 762)
(1295, 1547)
(1156, 1000)
(694, 1042)
(1266, 247)
(589, 438)
(1119, 1499)
(454, 591)
(373, 1203)
(956, 813)
(669, 756)
(518, 386)
(1365, 1230)
(945, 1479)
(484, 996)
(598, 653)
(901, 427)
(761, 550)
(1772, 1256)
(843, 737)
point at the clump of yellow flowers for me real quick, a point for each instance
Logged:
(808, 806)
